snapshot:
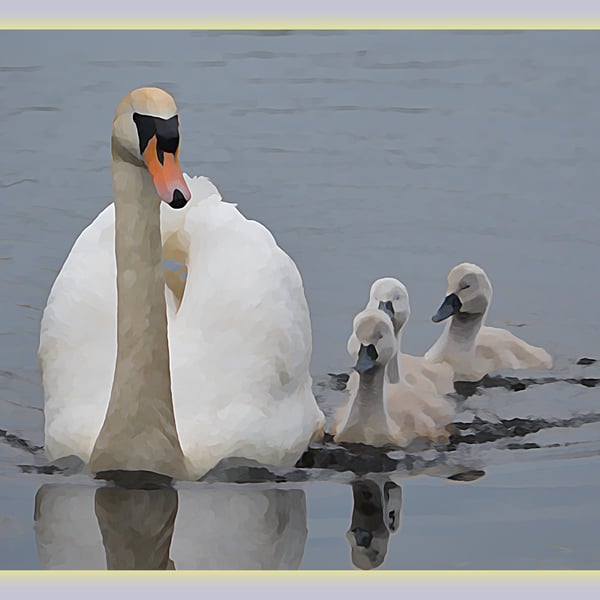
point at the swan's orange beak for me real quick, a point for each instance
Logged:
(166, 174)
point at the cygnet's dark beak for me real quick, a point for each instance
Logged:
(387, 308)
(367, 355)
(450, 306)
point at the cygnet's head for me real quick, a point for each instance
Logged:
(469, 292)
(145, 133)
(390, 296)
(372, 343)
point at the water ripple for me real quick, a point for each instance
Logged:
(19, 182)
(24, 69)
(25, 109)
(111, 64)
(411, 110)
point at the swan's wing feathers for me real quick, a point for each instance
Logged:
(77, 349)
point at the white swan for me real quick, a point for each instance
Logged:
(470, 348)
(232, 377)
(391, 296)
(380, 413)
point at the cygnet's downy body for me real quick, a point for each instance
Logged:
(382, 413)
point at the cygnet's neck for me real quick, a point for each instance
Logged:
(393, 370)
(368, 413)
(462, 331)
(139, 431)
(457, 343)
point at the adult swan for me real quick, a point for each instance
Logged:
(230, 376)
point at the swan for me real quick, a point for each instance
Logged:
(472, 349)
(142, 376)
(391, 296)
(379, 413)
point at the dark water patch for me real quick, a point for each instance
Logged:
(480, 431)
(135, 480)
(586, 381)
(587, 361)
(338, 381)
(250, 474)
(41, 469)
(465, 389)
(527, 446)
(67, 465)
(357, 458)
(17, 442)
(467, 475)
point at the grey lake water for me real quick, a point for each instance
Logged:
(366, 154)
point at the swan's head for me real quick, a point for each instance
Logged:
(145, 133)
(469, 292)
(372, 343)
(390, 296)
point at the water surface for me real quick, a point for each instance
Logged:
(366, 154)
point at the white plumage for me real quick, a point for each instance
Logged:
(240, 342)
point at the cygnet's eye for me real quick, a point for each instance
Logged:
(465, 286)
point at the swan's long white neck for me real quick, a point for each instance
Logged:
(139, 431)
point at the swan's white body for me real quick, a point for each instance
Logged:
(239, 342)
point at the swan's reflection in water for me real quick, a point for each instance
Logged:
(220, 527)
(136, 526)
(376, 514)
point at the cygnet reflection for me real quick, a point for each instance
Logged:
(205, 527)
(376, 515)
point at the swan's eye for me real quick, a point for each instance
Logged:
(464, 287)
